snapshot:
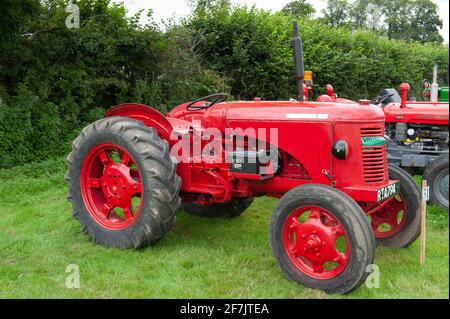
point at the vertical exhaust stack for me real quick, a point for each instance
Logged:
(298, 60)
(434, 97)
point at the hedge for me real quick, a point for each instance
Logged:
(53, 80)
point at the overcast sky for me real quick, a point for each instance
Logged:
(164, 9)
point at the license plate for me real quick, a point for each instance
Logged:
(388, 192)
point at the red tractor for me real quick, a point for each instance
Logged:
(326, 162)
(419, 137)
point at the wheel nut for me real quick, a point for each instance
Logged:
(317, 255)
(304, 236)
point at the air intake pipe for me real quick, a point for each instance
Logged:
(298, 60)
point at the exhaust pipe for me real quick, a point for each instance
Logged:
(434, 97)
(298, 60)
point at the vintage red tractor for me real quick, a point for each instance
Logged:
(419, 136)
(326, 161)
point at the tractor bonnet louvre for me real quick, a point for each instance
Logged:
(374, 157)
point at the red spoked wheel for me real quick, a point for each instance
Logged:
(316, 242)
(322, 239)
(123, 184)
(389, 219)
(396, 222)
(111, 186)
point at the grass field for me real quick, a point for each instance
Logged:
(199, 258)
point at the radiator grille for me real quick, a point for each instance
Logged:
(374, 157)
(371, 131)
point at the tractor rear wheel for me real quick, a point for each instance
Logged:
(437, 176)
(234, 208)
(122, 183)
(322, 239)
(397, 223)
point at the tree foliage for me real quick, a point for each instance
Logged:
(409, 20)
(336, 13)
(299, 9)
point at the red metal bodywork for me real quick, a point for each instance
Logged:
(306, 133)
(418, 113)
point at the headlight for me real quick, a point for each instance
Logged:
(340, 149)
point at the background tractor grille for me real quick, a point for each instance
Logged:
(371, 131)
(374, 157)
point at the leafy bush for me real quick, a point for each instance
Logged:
(251, 49)
(54, 81)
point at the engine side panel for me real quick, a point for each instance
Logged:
(418, 112)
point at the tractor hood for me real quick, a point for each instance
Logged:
(302, 111)
(418, 112)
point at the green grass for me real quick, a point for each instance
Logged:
(198, 258)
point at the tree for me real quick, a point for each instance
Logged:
(202, 7)
(336, 12)
(357, 13)
(409, 20)
(396, 15)
(300, 9)
(425, 22)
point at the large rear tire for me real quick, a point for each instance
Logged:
(234, 208)
(122, 183)
(322, 239)
(397, 224)
(436, 175)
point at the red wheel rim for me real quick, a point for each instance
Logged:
(316, 242)
(111, 186)
(389, 220)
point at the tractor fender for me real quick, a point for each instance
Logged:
(149, 116)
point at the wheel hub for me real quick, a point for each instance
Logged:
(118, 185)
(108, 185)
(389, 219)
(312, 245)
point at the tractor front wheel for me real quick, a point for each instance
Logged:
(397, 223)
(322, 239)
(122, 183)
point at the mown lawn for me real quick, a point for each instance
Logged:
(199, 258)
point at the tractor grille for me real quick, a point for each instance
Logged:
(374, 157)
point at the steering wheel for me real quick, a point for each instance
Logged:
(380, 99)
(425, 89)
(209, 100)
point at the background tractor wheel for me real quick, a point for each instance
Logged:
(234, 208)
(437, 176)
(122, 183)
(397, 224)
(322, 239)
